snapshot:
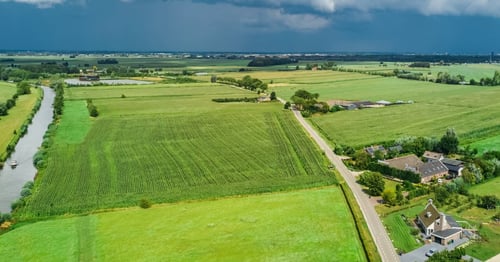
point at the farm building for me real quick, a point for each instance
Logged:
(454, 166)
(441, 228)
(433, 156)
(427, 171)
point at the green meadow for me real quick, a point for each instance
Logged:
(170, 143)
(471, 110)
(304, 225)
(488, 188)
(470, 71)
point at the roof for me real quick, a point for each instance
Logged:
(452, 162)
(428, 220)
(452, 222)
(432, 168)
(371, 150)
(446, 233)
(409, 162)
(433, 155)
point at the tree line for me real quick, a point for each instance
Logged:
(246, 82)
(270, 61)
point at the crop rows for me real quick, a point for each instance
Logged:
(170, 157)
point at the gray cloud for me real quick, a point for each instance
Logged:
(426, 7)
(38, 3)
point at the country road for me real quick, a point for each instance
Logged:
(377, 230)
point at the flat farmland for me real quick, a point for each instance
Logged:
(171, 143)
(471, 110)
(303, 225)
(470, 71)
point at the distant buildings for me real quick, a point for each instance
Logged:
(436, 165)
(89, 75)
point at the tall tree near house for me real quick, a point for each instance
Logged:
(449, 142)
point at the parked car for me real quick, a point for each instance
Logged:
(431, 252)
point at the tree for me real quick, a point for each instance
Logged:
(23, 88)
(213, 79)
(441, 194)
(362, 159)
(468, 176)
(449, 142)
(374, 181)
(389, 196)
(273, 96)
(287, 105)
(488, 202)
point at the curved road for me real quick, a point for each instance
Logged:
(377, 229)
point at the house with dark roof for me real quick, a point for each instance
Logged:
(454, 166)
(441, 228)
(431, 170)
(427, 171)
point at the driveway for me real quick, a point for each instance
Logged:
(418, 255)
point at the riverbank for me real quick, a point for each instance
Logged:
(17, 121)
(13, 179)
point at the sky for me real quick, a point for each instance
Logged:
(400, 26)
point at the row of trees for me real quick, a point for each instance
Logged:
(246, 82)
(59, 98)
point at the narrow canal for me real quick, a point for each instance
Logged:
(13, 179)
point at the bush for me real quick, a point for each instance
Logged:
(144, 203)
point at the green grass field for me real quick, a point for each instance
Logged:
(170, 143)
(7, 90)
(488, 188)
(17, 115)
(305, 225)
(488, 144)
(470, 71)
(471, 110)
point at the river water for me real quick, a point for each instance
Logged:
(12, 180)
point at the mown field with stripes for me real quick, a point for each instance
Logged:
(170, 143)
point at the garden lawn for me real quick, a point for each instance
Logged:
(305, 225)
(168, 144)
(488, 188)
(400, 232)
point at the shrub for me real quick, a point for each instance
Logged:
(145, 203)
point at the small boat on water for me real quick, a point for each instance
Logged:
(13, 163)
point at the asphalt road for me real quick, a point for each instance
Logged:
(377, 229)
